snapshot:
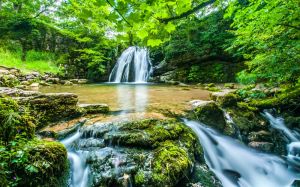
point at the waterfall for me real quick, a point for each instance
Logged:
(79, 169)
(134, 65)
(237, 165)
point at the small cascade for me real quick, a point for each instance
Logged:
(293, 148)
(230, 122)
(134, 65)
(237, 165)
(79, 169)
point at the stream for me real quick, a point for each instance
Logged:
(235, 164)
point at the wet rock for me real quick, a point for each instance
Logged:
(68, 83)
(66, 132)
(53, 80)
(82, 81)
(14, 92)
(260, 136)
(263, 146)
(202, 177)
(79, 81)
(95, 108)
(44, 83)
(210, 114)
(4, 71)
(229, 85)
(8, 80)
(51, 107)
(199, 103)
(35, 84)
(145, 153)
(26, 83)
(226, 98)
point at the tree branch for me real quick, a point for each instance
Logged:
(118, 13)
(187, 13)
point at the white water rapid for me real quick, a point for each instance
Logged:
(134, 65)
(79, 169)
(237, 165)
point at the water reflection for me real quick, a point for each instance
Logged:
(132, 98)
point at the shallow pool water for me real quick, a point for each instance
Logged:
(136, 97)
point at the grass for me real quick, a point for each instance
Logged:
(35, 61)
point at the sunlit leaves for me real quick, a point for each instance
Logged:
(142, 34)
(154, 42)
(267, 35)
(170, 27)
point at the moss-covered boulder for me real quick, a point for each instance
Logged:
(210, 114)
(51, 107)
(151, 152)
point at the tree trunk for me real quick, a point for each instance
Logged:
(24, 52)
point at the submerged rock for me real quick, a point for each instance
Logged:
(263, 146)
(95, 108)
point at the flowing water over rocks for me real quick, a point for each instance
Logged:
(142, 153)
(237, 165)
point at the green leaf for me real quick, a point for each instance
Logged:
(154, 42)
(170, 27)
(142, 34)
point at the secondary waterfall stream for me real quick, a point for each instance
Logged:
(134, 65)
(237, 165)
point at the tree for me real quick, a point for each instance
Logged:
(267, 35)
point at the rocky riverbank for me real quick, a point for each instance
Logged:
(11, 77)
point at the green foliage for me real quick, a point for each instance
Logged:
(25, 161)
(32, 163)
(14, 120)
(206, 36)
(267, 35)
(36, 61)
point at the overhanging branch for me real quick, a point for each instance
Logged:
(119, 13)
(187, 13)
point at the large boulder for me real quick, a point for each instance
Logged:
(210, 114)
(52, 107)
(225, 98)
(147, 152)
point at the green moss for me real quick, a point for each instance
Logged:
(228, 100)
(212, 89)
(139, 178)
(146, 133)
(210, 114)
(281, 100)
(229, 85)
(8, 81)
(246, 106)
(170, 164)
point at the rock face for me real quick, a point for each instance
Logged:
(52, 107)
(144, 153)
(95, 108)
(45, 108)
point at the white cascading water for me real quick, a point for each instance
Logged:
(237, 165)
(134, 65)
(79, 169)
